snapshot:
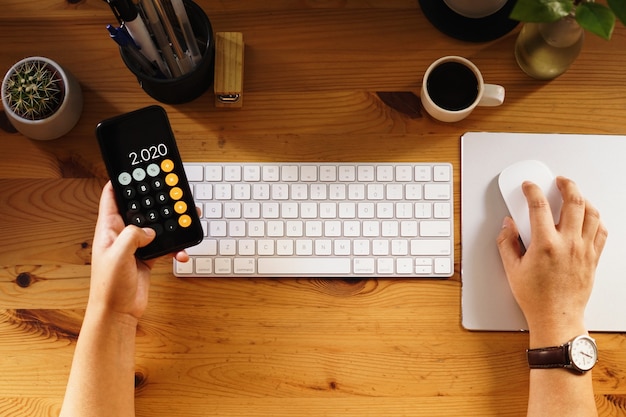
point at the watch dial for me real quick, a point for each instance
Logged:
(583, 353)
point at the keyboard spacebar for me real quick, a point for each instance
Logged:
(304, 266)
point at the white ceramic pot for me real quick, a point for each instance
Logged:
(475, 9)
(58, 123)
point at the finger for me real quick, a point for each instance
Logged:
(594, 230)
(541, 220)
(181, 256)
(573, 209)
(107, 200)
(600, 239)
(133, 238)
(109, 223)
(591, 222)
(508, 243)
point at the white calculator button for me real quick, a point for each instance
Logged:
(153, 170)
(124, 178)
(139, 174)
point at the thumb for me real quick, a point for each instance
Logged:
(508, 243)
(132, 238)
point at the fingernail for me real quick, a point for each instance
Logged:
(150, 232)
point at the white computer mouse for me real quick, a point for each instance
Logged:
(510, 182)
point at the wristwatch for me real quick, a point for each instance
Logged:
(579, 354)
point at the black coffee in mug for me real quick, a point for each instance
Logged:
(452, 86)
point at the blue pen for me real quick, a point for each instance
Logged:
(137, 29)
(125, 41)
(124, 37)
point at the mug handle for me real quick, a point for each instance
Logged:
(493, 95)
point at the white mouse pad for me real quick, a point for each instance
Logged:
(596, 163)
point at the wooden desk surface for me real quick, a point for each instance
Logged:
(278, 347)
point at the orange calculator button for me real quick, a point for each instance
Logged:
(184, 221)
(167, 165)
(180, 207)
(171, 179)
(176, 193)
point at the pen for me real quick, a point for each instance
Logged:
(184, 60)
(138, 30)
(114, 10)
(190, 40)
(161, 38)
(124, 40)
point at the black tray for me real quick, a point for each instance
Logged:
(467, 29)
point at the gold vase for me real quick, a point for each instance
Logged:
(546, 50)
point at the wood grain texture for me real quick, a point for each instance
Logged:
(324, 80)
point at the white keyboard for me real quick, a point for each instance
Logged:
(322, 220)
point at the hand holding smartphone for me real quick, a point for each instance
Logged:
(150, 184)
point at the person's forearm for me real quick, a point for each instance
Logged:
(101, 381)
(559, 392)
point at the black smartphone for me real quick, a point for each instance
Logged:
(151, 187)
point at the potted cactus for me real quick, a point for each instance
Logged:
(41, 99)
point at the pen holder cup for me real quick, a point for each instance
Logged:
(191, 85)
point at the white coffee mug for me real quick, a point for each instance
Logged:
(453, 86)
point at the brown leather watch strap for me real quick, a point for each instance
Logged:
(550, 357)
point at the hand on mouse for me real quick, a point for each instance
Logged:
(552, 281)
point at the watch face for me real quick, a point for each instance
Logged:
(583, 353)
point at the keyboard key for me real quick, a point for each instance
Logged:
(328, 173)
(441, 173)
(423, 266)
(223, 266)
(365, 173)
(443, 266)
(270, 173)
(434, 228)
(308, 173)
(207, 247)
(204, 265)
(421, 247)
(384, 266)
(437, 191)
(423, 173)
(232, 173)
(252, 173)
(404, 173)
(442, 210)
(184, 268)
(203, 191)
(289, 173)
(304, 266)
(347, 173)
(364, 266)
(194, 173)
(404, 266)
(244, 266)
(213, 173)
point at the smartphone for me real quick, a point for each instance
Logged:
(151, 188)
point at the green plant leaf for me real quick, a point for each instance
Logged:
(619, 9)
(541, 10)
(596, 18)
